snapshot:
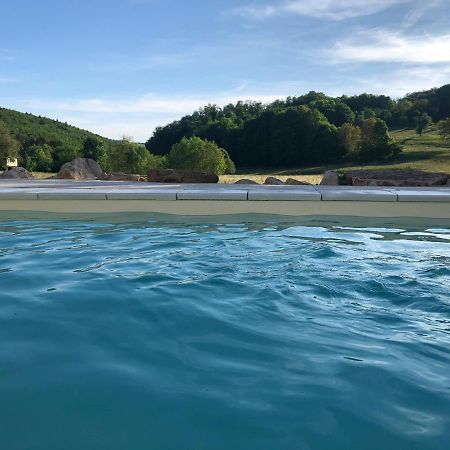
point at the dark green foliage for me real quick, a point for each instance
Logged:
(336, 112)
(292, 137)
(62, 154)
(423, 121)
(198, 155)
(95, 148)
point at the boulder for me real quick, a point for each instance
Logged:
(246, 181)
(273, 181)
(120, 176)
(180, 176)
(330, 178)
(394, 177)
(81, 169)
(17, 172)
(294, 182)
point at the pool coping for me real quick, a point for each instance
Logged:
(203, 199)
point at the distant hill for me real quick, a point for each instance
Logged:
(29, 129)
(65, 140)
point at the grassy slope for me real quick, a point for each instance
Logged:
(427, 152)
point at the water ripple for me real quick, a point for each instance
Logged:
(250, 335)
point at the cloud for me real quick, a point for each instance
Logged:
(418, 11)
(6, 54)
(380, 45)
(4, 80)
(401, 81)
(137, 117)
(320, 9)
(148, 103)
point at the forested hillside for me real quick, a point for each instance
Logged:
(62, 141)
(310, 129)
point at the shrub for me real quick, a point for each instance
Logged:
(129, 157)
(156, 162)
(198, 155)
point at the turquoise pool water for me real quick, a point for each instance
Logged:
(143, 333)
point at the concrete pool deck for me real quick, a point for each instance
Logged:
(70, 196)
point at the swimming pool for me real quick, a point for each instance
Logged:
(146, 332)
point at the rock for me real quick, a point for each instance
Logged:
(246, 181)
(330, 178)
(81, 169)
(394, 177)
(180, 176)
(17, 172)
(120, 176)
(294, 182)
(273, 181)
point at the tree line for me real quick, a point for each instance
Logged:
(310, 129)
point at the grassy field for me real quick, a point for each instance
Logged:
(42, 175)
(427, 152)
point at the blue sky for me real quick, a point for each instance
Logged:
(125, 66)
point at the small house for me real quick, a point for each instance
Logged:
(10, 163)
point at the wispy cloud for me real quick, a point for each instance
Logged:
(394, 82)
(418, 11)
(138, 116)
(321, 9)
(4, 80)
(380, 45)
(148, 103)
(6, 54)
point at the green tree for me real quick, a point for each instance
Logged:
(95, 148)
(156, 161)
(349, 136)
(129, 157)
(198, 155)
(37, 158)
(8, 145)
(376, 142)
(422, 122)
(63, 154)
(443, 128)
(337, 113)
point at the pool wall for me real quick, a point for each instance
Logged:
(110, 197)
